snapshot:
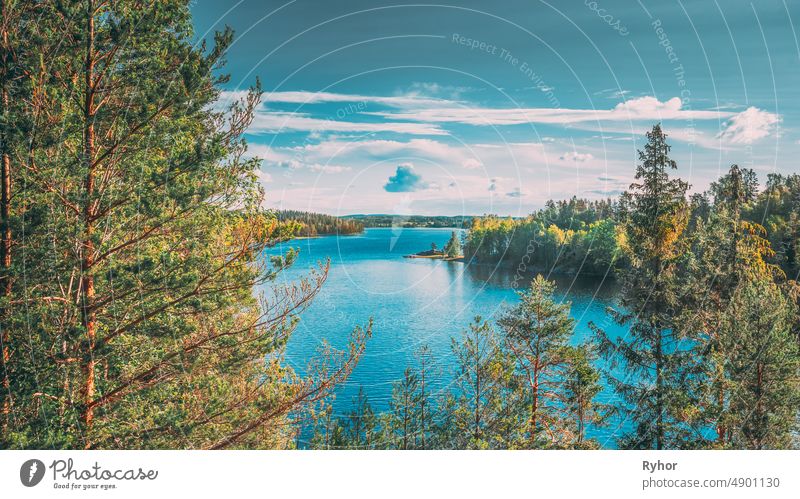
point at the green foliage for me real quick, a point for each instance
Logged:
(133, 316)
(317, 224)
(761, 367)
(482, 405)
(453, 247)
(654, 359)
(581, 385)
(537, 333)
(567, 236)
(777, 208)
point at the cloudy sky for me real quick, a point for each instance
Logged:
(471, 107)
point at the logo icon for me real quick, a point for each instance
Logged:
(31, 472)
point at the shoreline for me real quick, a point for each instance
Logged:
(438, 257)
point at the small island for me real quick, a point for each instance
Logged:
(451, 252)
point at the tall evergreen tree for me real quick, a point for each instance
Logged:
(143, 245)
(481, 405)
(403, 422)
(537, 333)
(652, 354)
(763, 367)
(727, 252)
(453, 247)
(581, 386)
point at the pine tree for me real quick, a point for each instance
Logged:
(537, 333)
(426, 407)
(403, 422)
(581, 386)
(479, 408)
(654, 358)
(143, 245)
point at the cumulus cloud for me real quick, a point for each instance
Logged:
(405, 179)
(515, 193)
(576, 156)
(749, 126)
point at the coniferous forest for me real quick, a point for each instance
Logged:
(318, 224)
(138, 309)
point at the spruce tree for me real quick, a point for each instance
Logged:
(453, 247)
(727, 252)
(763, 366)
(402, 424)
(581, 386)
(652, 355)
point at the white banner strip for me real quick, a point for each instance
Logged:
(375, 474)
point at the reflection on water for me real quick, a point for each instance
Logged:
(413, 302)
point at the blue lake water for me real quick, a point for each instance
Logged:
(413, 302)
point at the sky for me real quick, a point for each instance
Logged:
(472, 107)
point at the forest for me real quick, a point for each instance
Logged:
(587, 237)
(317, 224)
(407, 221)
(138, 311)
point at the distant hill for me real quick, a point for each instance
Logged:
(318, 224)
(384, 220)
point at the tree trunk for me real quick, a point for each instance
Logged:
(88, 315)
(721, 430)
(659, 392)
(5, 245)
(534, 405)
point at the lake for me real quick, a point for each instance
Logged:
(413, 302)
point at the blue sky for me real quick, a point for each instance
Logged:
(473, 107)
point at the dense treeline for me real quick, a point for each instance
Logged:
(709, 302)
(132, 242)
(565, 236)
(584, 236)
(411, 221)
(317, 224)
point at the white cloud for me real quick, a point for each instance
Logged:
(263, 176)
(328, 168)
(643, 108)
(303, 97)
(749, 126)
(576, 156)
(471, 164)
(266, 121)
